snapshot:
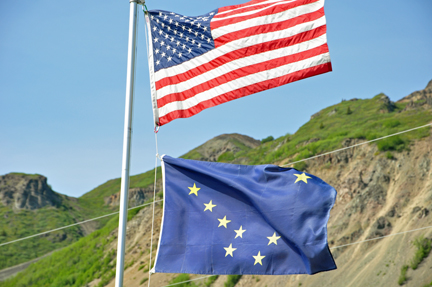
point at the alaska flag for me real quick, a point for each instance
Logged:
(236, 219)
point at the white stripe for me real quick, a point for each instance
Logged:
(277, 2)
(249, 13)
(235, 45)
(244, 82)
(266, 19)
(240, 63)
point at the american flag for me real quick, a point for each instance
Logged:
(234, 51)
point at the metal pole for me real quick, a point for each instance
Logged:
(126, 143)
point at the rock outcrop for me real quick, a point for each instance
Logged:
(27, 191)
(214, 148)
(137, 196)
(422, 98)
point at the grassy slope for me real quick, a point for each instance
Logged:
(26, 223)
(77, 264)
(365, 122)
(15, 225)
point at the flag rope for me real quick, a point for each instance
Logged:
(341, 149)
(153, 216)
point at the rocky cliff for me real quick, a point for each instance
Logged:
(23, 191)
(222, 147)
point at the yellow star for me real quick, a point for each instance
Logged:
(229, 250)
(302, 177)
(273, 239)
(239, 232)
(223, 222)
(258, 258)
(194, 190)
(209, 206)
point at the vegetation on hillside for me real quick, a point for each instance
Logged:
(85, 260)
(367, 120)
(16, 225)
(423, 247)
(77, 264)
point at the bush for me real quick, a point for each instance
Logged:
(392, 143)
(232, 280)
(267, 139)
(389, 155)
(181, 278)
(423, 249)
(402, 276)
(226, 157)
(210, 280)
(391, 123)
(348, 112)
(300, 166)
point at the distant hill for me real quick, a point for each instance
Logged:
(383, 188)
(29, 205)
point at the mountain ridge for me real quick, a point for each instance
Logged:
(368, 179)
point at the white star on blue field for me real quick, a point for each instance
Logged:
(178, 38)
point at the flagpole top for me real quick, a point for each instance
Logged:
(142, 2)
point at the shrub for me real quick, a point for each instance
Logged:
(391, 123)
(210, 280)
(301, 166)
(232, 280)
(181, 278)
(392, 143)
(423, 249)
(402, 276)
(267, 139)
(348, 112)
(226, 157)
(389, 155)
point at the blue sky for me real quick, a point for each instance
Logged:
(63, 81)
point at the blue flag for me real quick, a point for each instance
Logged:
(235, 219)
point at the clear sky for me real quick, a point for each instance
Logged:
(63, 81)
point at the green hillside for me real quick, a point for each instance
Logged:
(18, 224)
(15, 225)
(367, 119)
(356, 119)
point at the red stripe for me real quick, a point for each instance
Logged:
(245, 91)
(240, 53)
(242, 72)
(227, 8)
(269, 11)
(258, 7)
(266, 28)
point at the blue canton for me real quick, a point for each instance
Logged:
(177, 38)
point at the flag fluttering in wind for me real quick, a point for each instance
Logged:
(235, 219)
(200, 62)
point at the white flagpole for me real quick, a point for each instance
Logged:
(127, 142)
